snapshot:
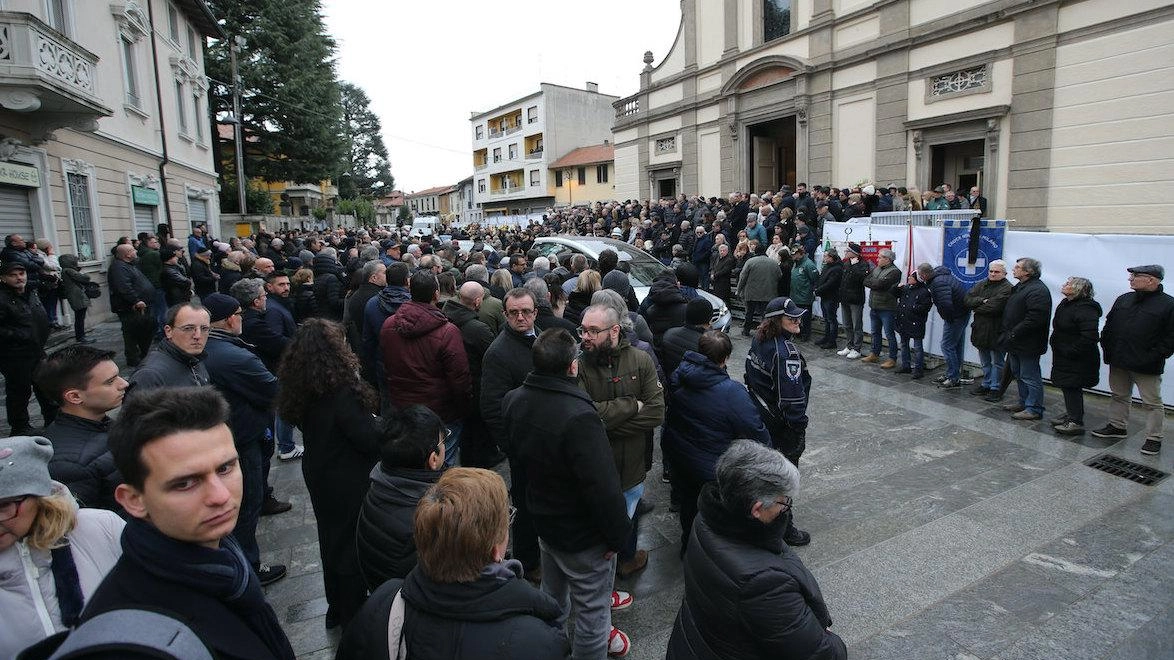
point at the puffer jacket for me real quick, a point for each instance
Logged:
(666, 309)
(82, 461)
(629, 376)
(747, 595)
(987, 299)
(949, 296)
(425, 362)
(328, 287)
(881, 282)
(1026, 319)
(1076, 360)
(28, 592)
(167, 366)
(386, 529)
(1139, 331)
(852, 282)
(707, 412)
(913, 304)
(73, 282)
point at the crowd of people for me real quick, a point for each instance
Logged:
(400, 358)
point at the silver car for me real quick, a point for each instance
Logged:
(642, 267)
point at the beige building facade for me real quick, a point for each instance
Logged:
(104, 128)
(1060, 110)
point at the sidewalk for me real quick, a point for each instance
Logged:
(940, 528)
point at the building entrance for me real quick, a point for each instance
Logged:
(959, 164)
(772, 155)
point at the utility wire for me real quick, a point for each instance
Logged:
(326, 116)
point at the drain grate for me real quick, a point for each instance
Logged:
(1117, 466)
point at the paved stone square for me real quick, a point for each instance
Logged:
(940, 528)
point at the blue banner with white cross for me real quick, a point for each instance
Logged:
(968, 247)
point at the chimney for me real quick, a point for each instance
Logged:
(605, 141)
(593, 87)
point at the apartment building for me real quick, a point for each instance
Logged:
(585, 175)
(430, 201)
(514, 143)
(104, 127)
(1059, 109)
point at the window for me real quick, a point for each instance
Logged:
(130, 76)
(480, 183)
(558, 178)
(776, 19)
(513, 151)
(58, 15)
(582, 176)
(194, 45)
(173, 22)
(181, 107)
(534, 177)
(480, 132)
(497, 154)
(197, 118)
(81, 214)
(532, 115)
(601, 173)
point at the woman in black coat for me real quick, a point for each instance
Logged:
(722, 274)
(322, 393)
(1076, 360)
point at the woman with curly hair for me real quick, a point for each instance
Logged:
(322, 393)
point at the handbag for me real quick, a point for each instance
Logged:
(395, 629)
(93, 290)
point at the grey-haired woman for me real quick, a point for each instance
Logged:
(1076, 359)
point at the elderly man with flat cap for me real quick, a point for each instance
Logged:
(1138, 339)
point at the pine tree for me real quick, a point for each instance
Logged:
(291, 116)
(369, 170)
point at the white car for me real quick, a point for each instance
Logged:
(642, 267)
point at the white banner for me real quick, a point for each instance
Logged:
(1100, 258)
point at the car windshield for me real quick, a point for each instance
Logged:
(642, 267)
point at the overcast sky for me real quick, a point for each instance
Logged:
(427, 64)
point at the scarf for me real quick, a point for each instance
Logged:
(223, 574)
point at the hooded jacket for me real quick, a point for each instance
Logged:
(949, 296)
(987, 299)
(328, 285)
(496, 616)
(747, 595)
(666, 309)
(28, 591)
(628, 376)
(425, 362)
(246, 384)
(82, 461)
(386, 529)
(167, 366)
(1139, 331)
(573, 491)
(378, 309)
(707, 412)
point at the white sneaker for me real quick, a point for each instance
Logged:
(843, 351)
(852, 355)
(292, 454)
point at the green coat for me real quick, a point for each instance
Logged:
(759, 280)
(880, 283)
(151, 264)
(804, 275)
(615, 389)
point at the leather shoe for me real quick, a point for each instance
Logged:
(637, 563)
(272, 506)
(1026, 415)
(888, 364)
(796, 537)
(870, 358)
(1013, 407)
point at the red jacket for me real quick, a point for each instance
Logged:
(425, 361)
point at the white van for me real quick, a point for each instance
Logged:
(425, 226)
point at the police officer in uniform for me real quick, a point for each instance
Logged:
(779, 384)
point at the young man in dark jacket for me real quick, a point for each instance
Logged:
(852, 300)
(827, 288)
(250, 389)
(1026, 321)
(949, 296)
(1138, 339)
(179, 556)
(24, 330)
(573, 493)
(85, 381)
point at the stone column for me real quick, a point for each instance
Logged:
(1032, 94)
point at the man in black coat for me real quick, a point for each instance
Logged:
(476, 448)
(85, 381)
(747, 595)
(131, 296)
(1026, 321)
(827, 288)
(1138, 339)
(852, 300)
(373, 276)
(268, 343)
(504, 368)
(24, 329)
(698, 314)
(179, 556)
(203, 277)
(573, 494)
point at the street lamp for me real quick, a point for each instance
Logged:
(569, 176)
(234, 47)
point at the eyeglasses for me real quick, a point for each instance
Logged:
(584, 331)
(520, 313)
(11, 508)
(786, 503)
(191, 329)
